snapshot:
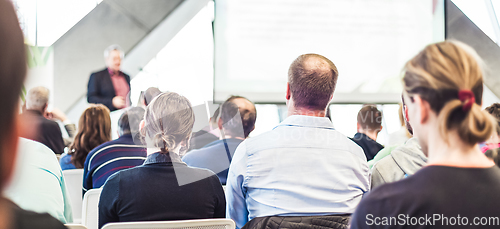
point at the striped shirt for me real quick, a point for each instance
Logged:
(109, 158)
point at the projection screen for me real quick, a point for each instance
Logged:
(368, 40)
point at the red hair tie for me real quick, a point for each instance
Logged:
(467, 98)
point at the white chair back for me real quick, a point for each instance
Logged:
(74, 183)
(90, 208)
(75, 226)
(178, 224)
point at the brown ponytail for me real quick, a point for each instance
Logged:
(438, 74)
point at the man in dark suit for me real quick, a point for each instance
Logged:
(110, 86)
(47, 131)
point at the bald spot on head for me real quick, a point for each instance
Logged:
(312, 79)
(248, 113)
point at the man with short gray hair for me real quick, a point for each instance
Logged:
(47, 131)
(110, 86)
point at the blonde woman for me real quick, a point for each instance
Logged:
(443, 87)
(164, 187)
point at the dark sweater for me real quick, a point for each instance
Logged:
(23, 219)
(430, 195)
(370, 146)
(161, 189)
(48, 132)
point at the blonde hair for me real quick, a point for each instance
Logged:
(437, 74)
(169, 120)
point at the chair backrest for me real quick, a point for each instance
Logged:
(90, 208)
(75, 226)
(178, 224)
(74, 183)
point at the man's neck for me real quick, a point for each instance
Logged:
(372, 135)
(306, 112)
(231, 137)
(35, 111)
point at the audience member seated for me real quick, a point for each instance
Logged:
(494, 141)
(303, 166)
(163, 188)
(237, 120)
(368, 127)
(208, 134)
(125, 152)
(443, 88)
(47, 131)
(401, 162)
(150, 94)
(94, 129)
(396, 139)
(37, 183)
(12, 74)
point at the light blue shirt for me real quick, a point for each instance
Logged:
(302, 167)
(37, 183)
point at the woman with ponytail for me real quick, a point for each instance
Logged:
(164, 187)
(443, 87)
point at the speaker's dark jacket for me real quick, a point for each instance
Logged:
(101, 90)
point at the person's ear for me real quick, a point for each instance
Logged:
(405, 112)
(141, 128)
(288, 94)
(423, 108)
(358, 128)
(219, 123)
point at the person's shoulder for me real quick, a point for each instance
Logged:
(193, 155)
(100, 72)
(47, 123)
(31, 147)
(262, 139)
(389, 194)
(38, 153)
(384, 163)
(102, 147)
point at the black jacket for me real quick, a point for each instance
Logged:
(370, 146)
(101, 90)
(161, 189)
(48, 132)
(21, 219)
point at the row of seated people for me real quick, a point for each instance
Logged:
(303, 167)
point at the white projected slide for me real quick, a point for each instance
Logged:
(368, 40)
